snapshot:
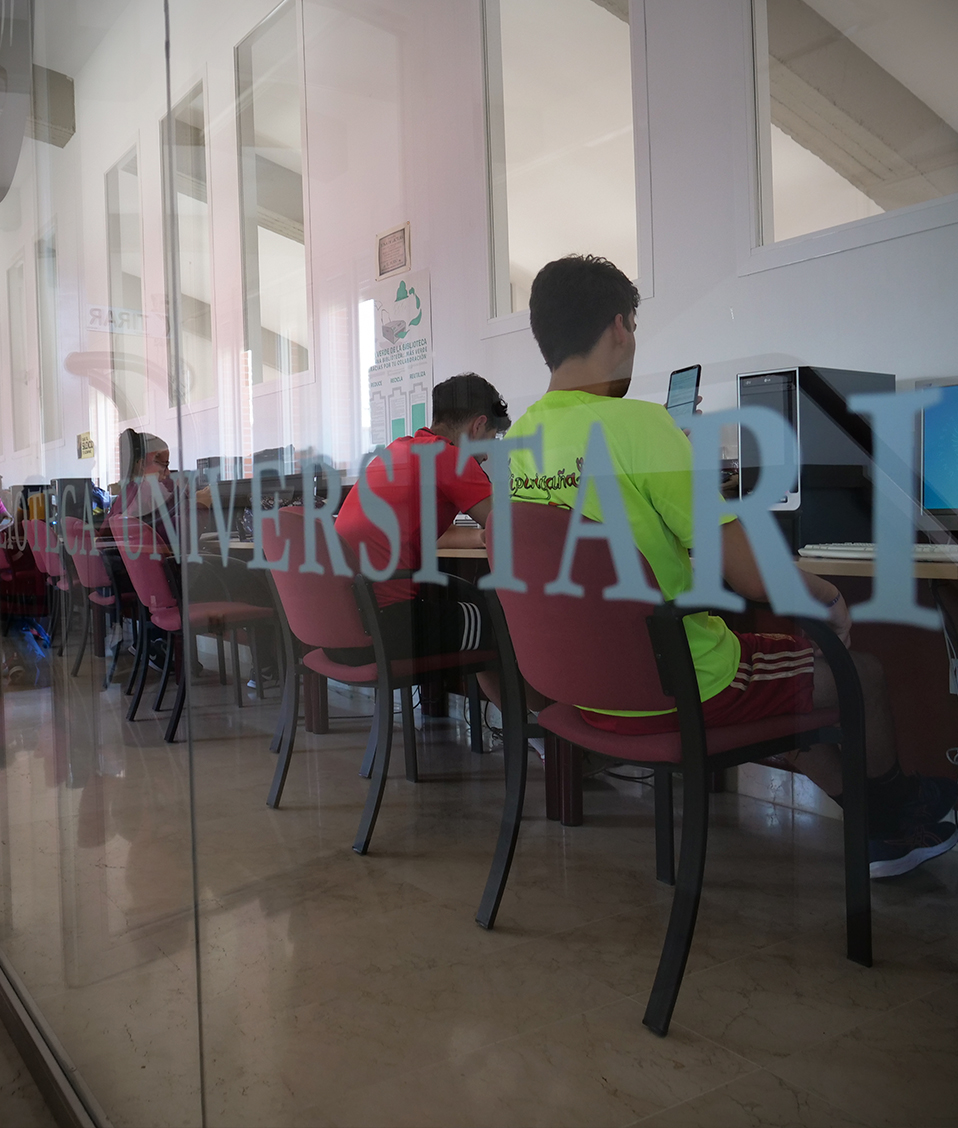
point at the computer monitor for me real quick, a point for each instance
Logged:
(938, 482)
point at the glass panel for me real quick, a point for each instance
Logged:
(125, 259)
(561, 140)
(188, 230)
(47, 328)
(268, 67)
(96, 878)
(856, 116)
(23, 397)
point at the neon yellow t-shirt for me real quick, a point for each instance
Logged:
(653, 463)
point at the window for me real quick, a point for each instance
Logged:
(271, 185)
(561, 154)
(22, 398)
(857, 110)
(46, 252)
(125, 261)
(188, 230)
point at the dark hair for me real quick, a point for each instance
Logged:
(572, 303)
(460, 398)
(134, 447)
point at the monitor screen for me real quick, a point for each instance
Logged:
(939, 454)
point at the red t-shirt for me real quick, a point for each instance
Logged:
(455, 493)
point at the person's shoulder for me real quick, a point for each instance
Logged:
(634, 415)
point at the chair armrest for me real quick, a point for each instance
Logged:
(840, 661)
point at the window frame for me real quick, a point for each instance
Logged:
(497, 236)
(756, 256)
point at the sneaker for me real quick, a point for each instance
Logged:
(157, 653)
(908, 847)
(935, 800)
(270, 678)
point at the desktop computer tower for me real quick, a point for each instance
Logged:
(832, 497)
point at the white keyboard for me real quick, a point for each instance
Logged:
(865, 550)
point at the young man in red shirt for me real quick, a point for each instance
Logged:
(427, 619)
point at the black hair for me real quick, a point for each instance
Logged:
(134, 447)
(131, 453)
(461, 398)
(572, 303)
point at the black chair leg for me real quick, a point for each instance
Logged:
(283, 719)
(221, 659)
(384, 738)
(474, 697)
(237, 675)
(165, 675)
(291, 697)
(139, 632)
(185, 672)
(551, 765)
(409, 734)
(858, 917)
(685, 904)
(664, 829)
(143, 658)
(53, 598)
(570, 783)
(118, 630)
(66, 616)
(322, 721)
(516, 756)
(257, 669)
(366, 768)
(84, 633)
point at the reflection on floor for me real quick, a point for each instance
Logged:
(339, 990)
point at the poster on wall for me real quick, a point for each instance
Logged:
(400, 382)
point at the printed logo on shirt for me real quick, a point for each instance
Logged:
(522, 486)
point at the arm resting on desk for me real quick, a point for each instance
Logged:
(458, 537)
(742, 574)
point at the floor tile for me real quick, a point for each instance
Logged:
(757, 1100)
(802, 991)
(897, 1071)
(599, 1068)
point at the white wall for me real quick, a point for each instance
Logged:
(884, 306)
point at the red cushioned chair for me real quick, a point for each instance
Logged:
(151, 580)
(99, 584)
(618, 655)
(46, 554)
(337, 612)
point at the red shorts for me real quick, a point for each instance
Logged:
(775, 676)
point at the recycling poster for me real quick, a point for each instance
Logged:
(400, 382)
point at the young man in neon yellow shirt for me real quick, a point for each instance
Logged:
(582, 312)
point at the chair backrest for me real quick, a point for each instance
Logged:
(37, 532)
(80, 544)
(136, 540)
(586, 650)
(321, 610)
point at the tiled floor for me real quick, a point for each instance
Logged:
(347, 991)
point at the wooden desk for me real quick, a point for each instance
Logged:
(462, 554)
(915, 661)
(924, 570)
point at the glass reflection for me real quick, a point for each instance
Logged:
(271, 182)
(189, 230)
(125, 263)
